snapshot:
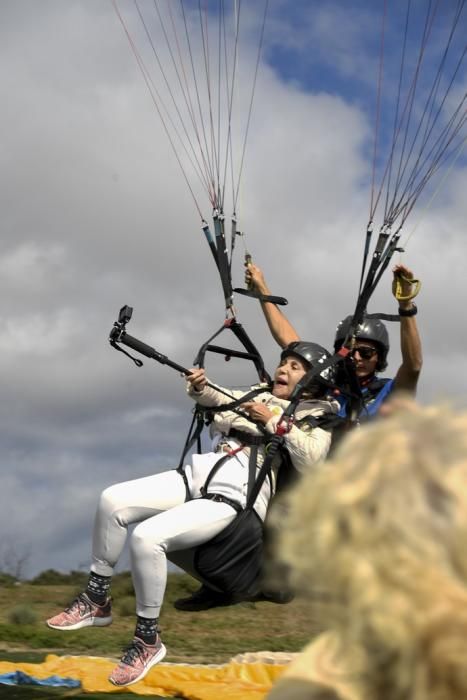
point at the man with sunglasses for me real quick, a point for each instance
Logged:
(371, 342)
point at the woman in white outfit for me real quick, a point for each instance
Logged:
(174, 513)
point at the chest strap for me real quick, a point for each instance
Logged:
(247, 438)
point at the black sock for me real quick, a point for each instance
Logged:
(98, 588)
(147, 629)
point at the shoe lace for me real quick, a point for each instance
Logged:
(135, 649)
(81, 602)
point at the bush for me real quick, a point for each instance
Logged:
(122, 585)
(126, 607)
(51, 577)
(7, 580)
(22, 615)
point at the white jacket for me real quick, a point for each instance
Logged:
(305, 445)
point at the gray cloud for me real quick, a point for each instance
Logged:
(95, 214)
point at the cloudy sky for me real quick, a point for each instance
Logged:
(96, 214)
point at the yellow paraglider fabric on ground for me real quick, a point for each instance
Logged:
(237, 680)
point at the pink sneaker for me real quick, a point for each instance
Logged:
(82, 613)
(136, 661)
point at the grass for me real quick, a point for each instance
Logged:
(211, 636)
(34, 693)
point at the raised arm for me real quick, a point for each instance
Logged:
(411, 346)
(281, 329)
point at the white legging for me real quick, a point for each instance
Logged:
(166, 524)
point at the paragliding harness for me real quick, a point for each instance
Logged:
(373, 395)
(241, 543)
(231, 561)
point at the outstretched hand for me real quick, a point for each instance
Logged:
(197, 378)
(254, 279)
(404, 285)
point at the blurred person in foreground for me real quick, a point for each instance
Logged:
(381, 532)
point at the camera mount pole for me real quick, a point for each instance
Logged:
(118, 334)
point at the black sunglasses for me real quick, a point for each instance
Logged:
(365, 352)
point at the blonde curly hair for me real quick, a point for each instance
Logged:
(382, 531)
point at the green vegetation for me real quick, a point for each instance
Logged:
(7, 580)
(211, 636)
(47, 693)
(22, 615)
(50, 577)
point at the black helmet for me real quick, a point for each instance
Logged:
(370, 329)
(311, 353)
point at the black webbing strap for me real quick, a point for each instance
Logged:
(382, 255)
(327, 421)
(224, 499)
(194, 435)
(232, 405)
(384, 317)
(254, 484)
(277, 440)
(201, 418)
(247, 438)
(222, 259)
(273, 448)
(214, 471)
(211, 242)
(251, 348)
(279, 301)
(252, 353)
(354, 394)
(252, 464)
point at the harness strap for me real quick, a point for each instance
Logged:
(247, 438)
(326, 422)
(275, 446)
(214, 471)
(185, 481)
(279, 301)
(199, 420)
(194, 435)
(251, 353)
(222, 258)
(254, 483)
(384, 317)
(233, 404)
(223, 499)
(252, 462)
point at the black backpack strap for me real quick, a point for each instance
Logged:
(214, 471)
(327, 421)
(252, 464)
(254, 485)
(247, 438)
(251, 352)
(274, 445)
(200, 420)
(194, 435)
(234, 404)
